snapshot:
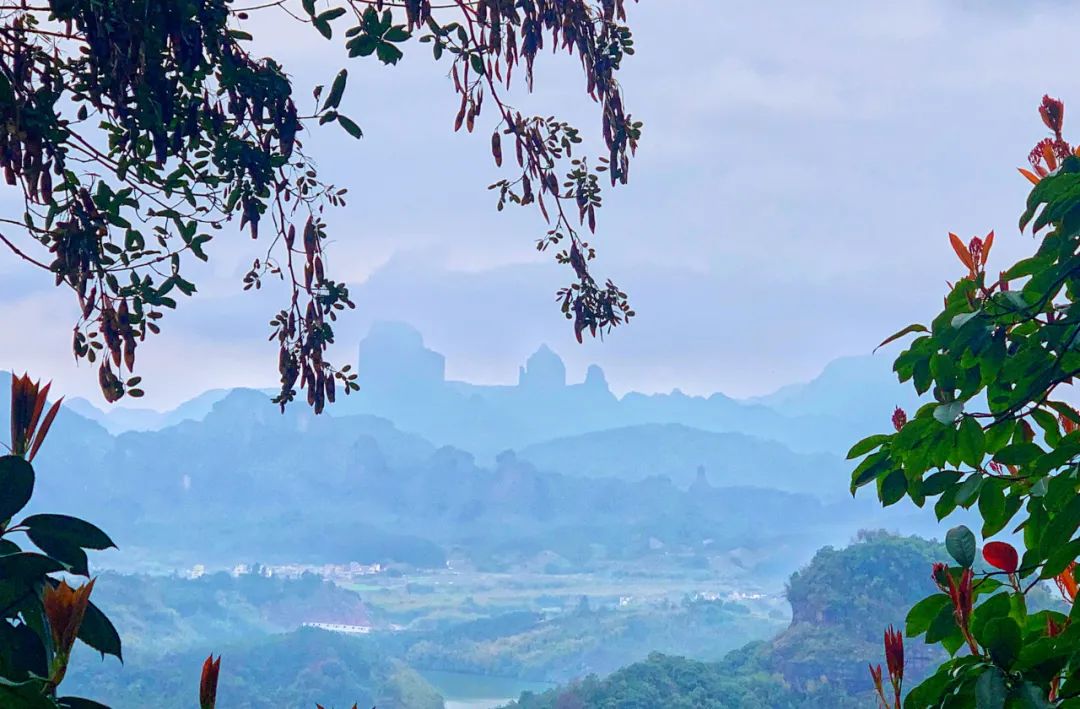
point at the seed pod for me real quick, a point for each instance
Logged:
(496, 148)
(45, 185)
(309, 239)
(129, 351)
(88, 304)
(461, 113)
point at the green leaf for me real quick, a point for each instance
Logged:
(866, 445)
(968, 491)
(337, 90)
(869, 469)
(937, 483)
(943, 625)
(331, 14)
(990, 690)
(362, 46)
(929, 691)
(1002, 638)
(1018, 453)
(947, 413)
(1060, 558)
(80, 703)
(27, 565)
(972, 442)
(16, 485)
(98, 632)
(24, 695)
(71, 555)
(68, 529)
(477, 63)
(960, 543)
(923, 613)
(388, 53)
(892, 488)
(1061, 527)
(997, 606)
(1030, 696)
(992, 505)
(350, 127)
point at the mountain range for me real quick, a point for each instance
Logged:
(414, 469)
(404, 381)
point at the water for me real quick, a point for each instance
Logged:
(462, 690)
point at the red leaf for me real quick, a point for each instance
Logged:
(1001, 556)
(1031, 176)
(961, 250)
(44, 430)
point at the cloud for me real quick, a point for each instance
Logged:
(801, 165)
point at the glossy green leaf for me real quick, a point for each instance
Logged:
(942, 625)
(1029, 696)
(68, 529)
(16, 485)
(98, 632)
(924, 612)
(990, 691)
(960, 543)
(1018, 454)
(866, 445)
(337, 90)
(897, 335)
(972, 442)
(80, 703)
(1002, 639)
(947, 413)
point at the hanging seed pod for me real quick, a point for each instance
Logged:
(496, 148)
(45, 185)
(460, 118)
(129, 350)
(309, 239)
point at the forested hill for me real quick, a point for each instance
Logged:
(841, 603)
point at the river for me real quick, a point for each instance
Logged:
(462, 690)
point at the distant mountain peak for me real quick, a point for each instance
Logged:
(393, 355)
(595, 379)
(544, 369)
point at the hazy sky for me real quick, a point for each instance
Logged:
(801, 165)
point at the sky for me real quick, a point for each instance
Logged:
(801, 166)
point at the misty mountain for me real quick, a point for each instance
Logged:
(731, 459)
(858, 390)
(249, 483)
(123, 418)
(405, 382)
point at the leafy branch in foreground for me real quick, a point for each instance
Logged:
(999, 436)
(41, 616)
(136, 130)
